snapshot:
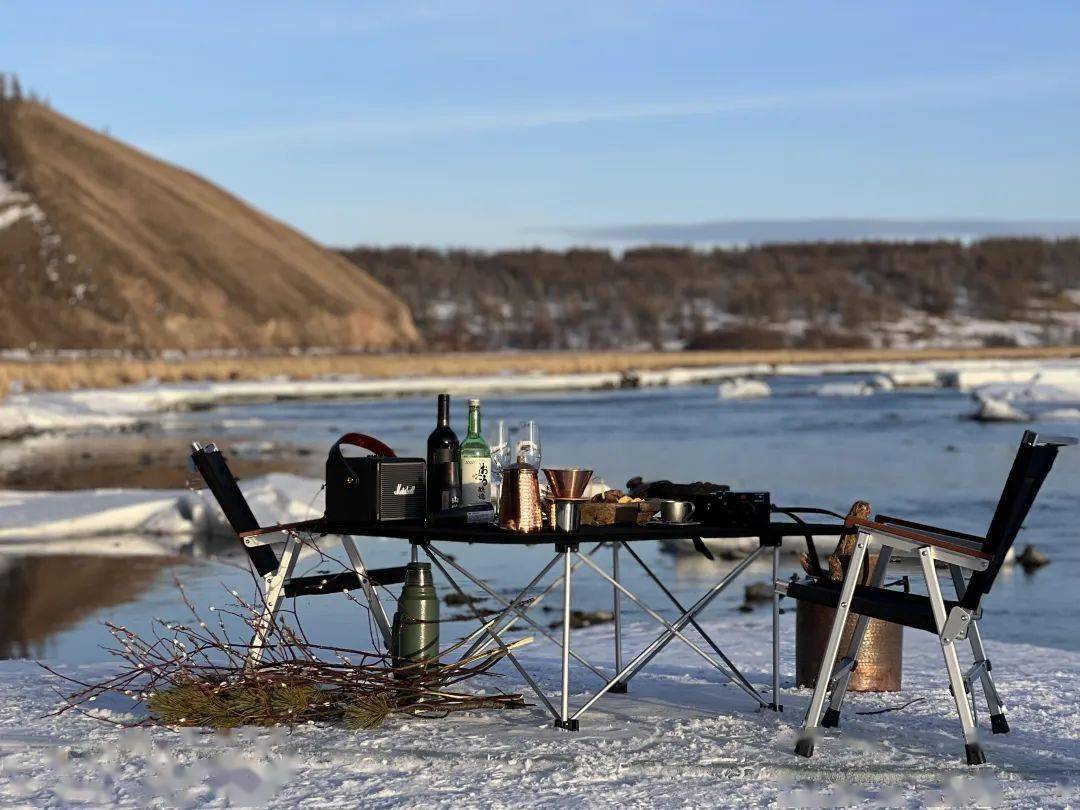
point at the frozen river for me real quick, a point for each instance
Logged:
(909, 452)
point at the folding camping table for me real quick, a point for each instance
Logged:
(567, 549)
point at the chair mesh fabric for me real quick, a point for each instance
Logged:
(897, 607)
(1029, 469)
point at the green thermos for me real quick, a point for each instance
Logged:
(415, 639)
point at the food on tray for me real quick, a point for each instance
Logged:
(616, 508)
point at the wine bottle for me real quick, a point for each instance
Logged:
(475, 458)
(443, 481)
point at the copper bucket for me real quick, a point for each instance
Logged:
(881, 656)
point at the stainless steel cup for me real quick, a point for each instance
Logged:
(568, 514)
(676, 511)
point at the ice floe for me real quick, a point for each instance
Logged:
(846, 389)
(168, 517)
(996, 410)
(742, 388)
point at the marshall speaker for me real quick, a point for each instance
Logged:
(373, 489)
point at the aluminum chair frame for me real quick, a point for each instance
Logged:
(953, 622)
(277, 572)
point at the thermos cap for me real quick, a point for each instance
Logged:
(418, 573)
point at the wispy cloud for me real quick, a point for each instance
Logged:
(760, 231)
(390, 127)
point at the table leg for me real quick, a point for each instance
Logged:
(776, 705)
(565, 721)
(498, 641)
(654, 649)
(733, 675)
(621, 687)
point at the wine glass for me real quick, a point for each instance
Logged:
(527, 443)
(500, 458)
(500, 448)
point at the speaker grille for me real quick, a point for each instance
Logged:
(401, 490)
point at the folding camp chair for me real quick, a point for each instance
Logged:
(277, 572)
(952, 621)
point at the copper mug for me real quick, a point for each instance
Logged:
(519, 502)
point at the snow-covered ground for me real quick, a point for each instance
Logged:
(680, 738)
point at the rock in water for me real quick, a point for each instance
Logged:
(586, 618)
(758, 592)
(1031, 558)
(996, 410)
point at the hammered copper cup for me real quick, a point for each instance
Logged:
(519, 502)
(568, 482)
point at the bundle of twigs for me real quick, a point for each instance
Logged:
(192, 674)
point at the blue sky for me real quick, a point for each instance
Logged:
(494, 124)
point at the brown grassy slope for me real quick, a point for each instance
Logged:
(61, 375)
(166, 259)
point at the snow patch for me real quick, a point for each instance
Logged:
(743, 389)
(846, 389)
(42, 518)
(996, 410)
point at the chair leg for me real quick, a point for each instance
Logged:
(972, 748)
(776, 706)
(805, 746)
(371, 594)
(275, 592)
(831, 718)
(998, 723)
(839, 691)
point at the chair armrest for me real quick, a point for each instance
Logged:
(924, 538)
(303, 525)
(925, 527)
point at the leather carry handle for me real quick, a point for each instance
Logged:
(358, 440)
(366, 442)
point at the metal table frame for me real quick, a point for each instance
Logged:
(567, 550)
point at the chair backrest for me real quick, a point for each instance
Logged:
(211, 465)
(1032, 464)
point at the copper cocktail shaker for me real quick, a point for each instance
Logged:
(519, 503)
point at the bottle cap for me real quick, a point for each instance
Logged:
(474, 402)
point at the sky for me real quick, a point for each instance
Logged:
(505, 124)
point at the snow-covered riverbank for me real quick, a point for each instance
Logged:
(23, 414)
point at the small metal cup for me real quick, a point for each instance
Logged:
(568, 514)
(676, 511)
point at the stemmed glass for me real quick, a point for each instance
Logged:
(500, 458)
(527, 443)
(500, 448)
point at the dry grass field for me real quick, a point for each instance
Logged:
(66, 374)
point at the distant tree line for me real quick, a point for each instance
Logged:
(662, 297)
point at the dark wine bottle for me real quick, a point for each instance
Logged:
(475, 514)
(443, 476)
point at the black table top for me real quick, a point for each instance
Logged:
(416, 532)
